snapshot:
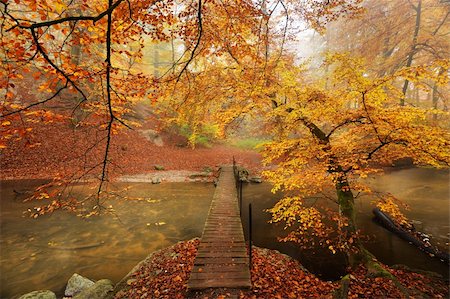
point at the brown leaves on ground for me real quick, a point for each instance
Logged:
(422, 286)
(416, 285)
(164, 275)
(62, 150)
(274, 275)
(364, 286)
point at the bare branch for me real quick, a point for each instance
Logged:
(109, 103)
(359, 120)
(94, 19)
(200, 32)
(37, 103)
(44, 54)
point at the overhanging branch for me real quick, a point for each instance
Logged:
(199, 37)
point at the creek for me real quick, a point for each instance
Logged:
(43, 253)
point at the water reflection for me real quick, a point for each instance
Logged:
(425, 190)
(44, 253)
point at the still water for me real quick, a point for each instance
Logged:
(426, 191)
(44, 253)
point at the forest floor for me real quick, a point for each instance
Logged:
(274, 275)
(60, 150)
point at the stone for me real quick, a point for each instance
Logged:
(242, 174)
(76, 284)
(403, 162)
(207, 169)
(158, 167)
(153, 136)
(199, 175)
(43, 294)
(99, 290)
(256, 179)
(156, 180)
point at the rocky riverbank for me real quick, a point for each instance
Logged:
(78, 287)
(164, 274)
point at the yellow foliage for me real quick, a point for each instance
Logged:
(390, 206)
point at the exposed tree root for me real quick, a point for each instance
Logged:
(342, 291)
(374, 270)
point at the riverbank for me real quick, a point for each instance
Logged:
(60, 150)
(164, 274)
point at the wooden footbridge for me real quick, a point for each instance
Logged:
(222, 260)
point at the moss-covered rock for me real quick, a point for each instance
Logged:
(99, 290)
(43, 294)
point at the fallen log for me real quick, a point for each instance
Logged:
(414, 237)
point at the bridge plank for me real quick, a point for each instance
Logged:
(222, 259)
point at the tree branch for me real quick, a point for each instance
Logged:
(200, 32)
(346, 122)
(37, 103)
(109, 103)
(94, 19)
(44, 54)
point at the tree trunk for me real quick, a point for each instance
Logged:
(345, 197)
(435, 94)
(346, 201)
(412, 52)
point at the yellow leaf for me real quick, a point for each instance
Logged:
(59, 7)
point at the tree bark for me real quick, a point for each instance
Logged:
(412, 52)
(435, 94)
(345, 197)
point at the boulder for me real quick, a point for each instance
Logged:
(99, 290)
(242, 174)
(256, 179)
(207, 169)
(156, 180)
(153, 136)
(39, 295)
(76, 284)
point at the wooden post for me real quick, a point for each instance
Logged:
(240, 198)
(250, 235)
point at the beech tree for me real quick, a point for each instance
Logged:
(321, 144)
(76, 55)
(395, 34)
(330, 131)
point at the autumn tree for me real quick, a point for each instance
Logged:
(81, 55)
(396, 34)
(321, 144)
